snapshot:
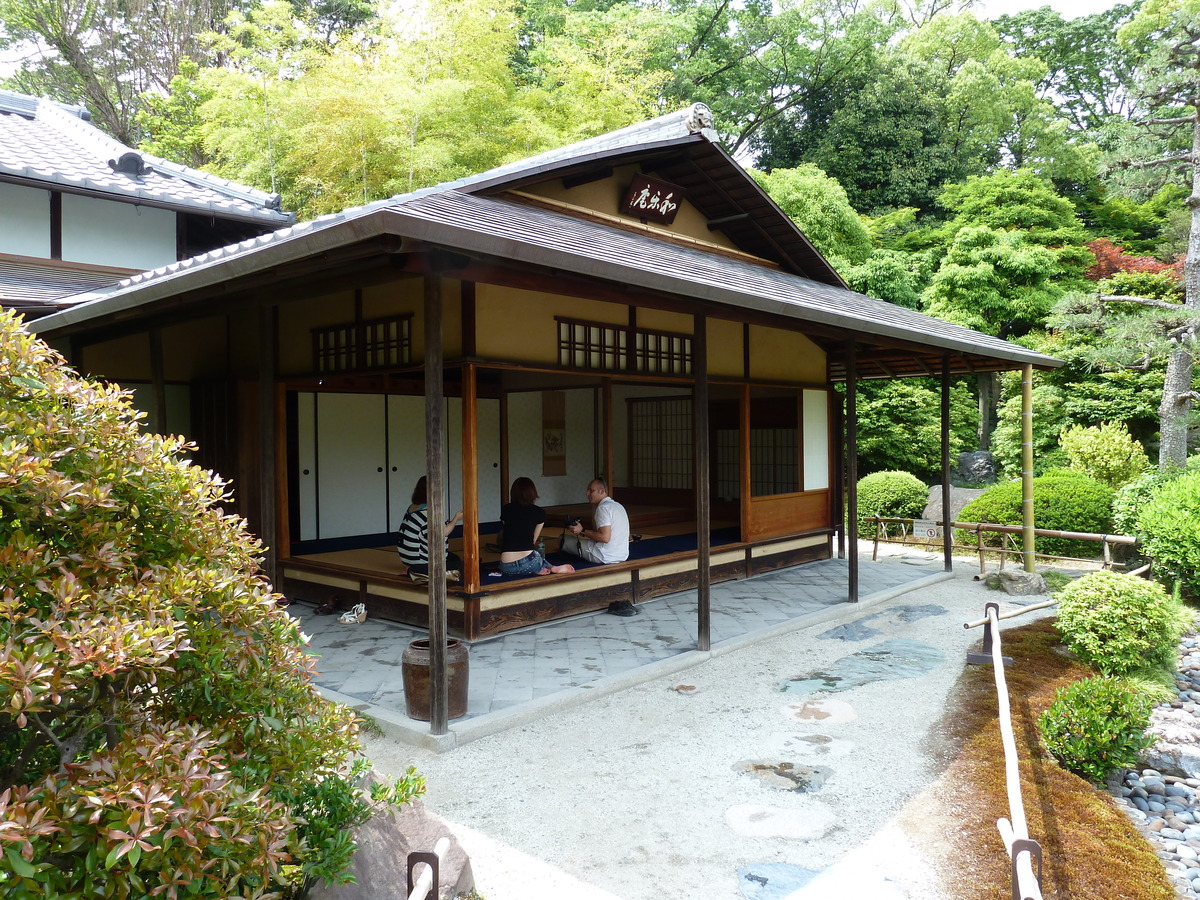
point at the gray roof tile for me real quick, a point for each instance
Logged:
(48, 143)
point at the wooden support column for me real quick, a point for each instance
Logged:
(435, 466)
(158, 383)
(852, 466)
(268, 368)
(1027, 524)
(947, 531)
(607, 414)
(837, 443)
(470, 478)
(744, 459)
(701, 478)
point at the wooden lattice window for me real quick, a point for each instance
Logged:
(367, 344)
(661, 441)
(597, 345)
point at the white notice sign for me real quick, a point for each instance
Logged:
(924, 528)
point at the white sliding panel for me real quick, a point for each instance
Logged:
(306, 459)
(816, 440)
(491, 491)
(351, 456)
(406, 453)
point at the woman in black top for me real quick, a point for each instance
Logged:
(523, 520)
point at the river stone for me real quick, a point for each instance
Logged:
(976, 467)
(821, 712)
(809, 746)
(898, 658)
(809, 823)
(380, 864)
(1021, 584)
(772, 880)
(784, 775)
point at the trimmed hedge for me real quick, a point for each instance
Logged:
(896, 495)
(1095, 726)
(1120, 624)
(1169, 524)
(1062, 501)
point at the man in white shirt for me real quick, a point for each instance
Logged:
(607, 541)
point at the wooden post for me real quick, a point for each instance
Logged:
(1027, 525)
(435, 463)
(607, 449)
(158, 384)
(268, 361)
(947, 532)
(744, 464)
(701, 479)
(852, 467)
(470, 479)
(837, 441)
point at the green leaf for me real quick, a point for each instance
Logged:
(20, 864)
(31, 383)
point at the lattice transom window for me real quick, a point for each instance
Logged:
(358, 346)
(661, 441)
(596, 345)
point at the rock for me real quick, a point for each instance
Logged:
(783, 775)
(959, 497)
(380, 864)
(975, 467)
(1022, 584)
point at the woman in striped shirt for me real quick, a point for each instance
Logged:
(413, 545)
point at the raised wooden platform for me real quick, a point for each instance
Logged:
(372, 576)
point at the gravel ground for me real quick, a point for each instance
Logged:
(638, 795)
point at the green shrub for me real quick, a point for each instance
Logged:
(1096, 725)
(1049, 422)
(1169, 525)
(896, 495)
(157, 716)
(1120, 624)
(1062, 501)
(1105, 452)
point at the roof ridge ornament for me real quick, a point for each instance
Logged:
(130, 163)
(698, 118)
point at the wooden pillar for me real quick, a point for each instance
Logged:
(470, 478)
(701, 479)
(837, 443)
(607, 450)
(852, 466)
(268, 363)
(744, 460)
(1027, 524)
(947, 531)
(435, 466)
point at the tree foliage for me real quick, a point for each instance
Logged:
(158, 720)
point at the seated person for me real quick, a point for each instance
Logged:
(523, 521)
(413, 544)
(607, 541)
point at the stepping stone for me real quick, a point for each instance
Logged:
(782, 775)
(772, 880)
(807, 824)
(857, 630)
(809, 746)
(898, 658)
(821, 712)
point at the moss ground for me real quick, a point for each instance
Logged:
(1090, 849)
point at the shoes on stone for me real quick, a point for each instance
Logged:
(354, 616)
(623, 608)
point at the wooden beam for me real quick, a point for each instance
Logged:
(744, 459)
(435, 462)
(470, 479)
(268, 370)
(700, 475)
(852, 467)
(947, 531)
(607, 450)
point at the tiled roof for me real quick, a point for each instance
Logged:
(33, 285)
(46, 143)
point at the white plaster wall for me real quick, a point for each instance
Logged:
(525, 446)
(105, 233)
(24, 221)
(816, 440)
